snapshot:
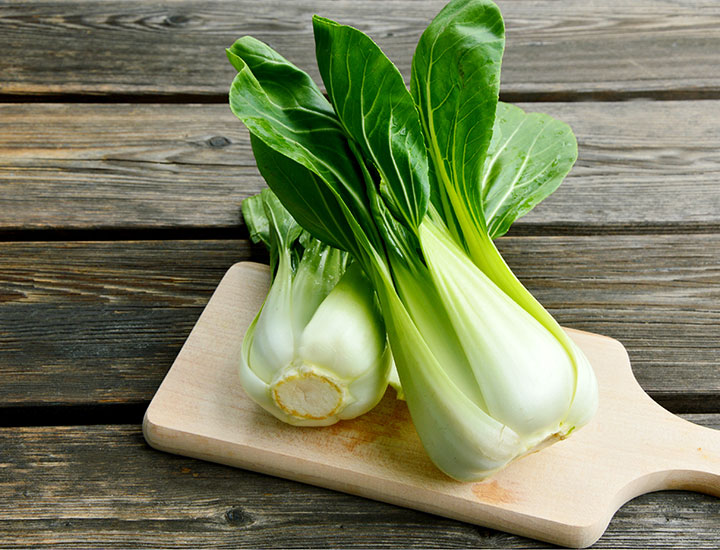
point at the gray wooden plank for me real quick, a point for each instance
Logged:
(86, 323)
(103, 487)
(101, 322)
(107, 166)
(665, 48)
(642, 165)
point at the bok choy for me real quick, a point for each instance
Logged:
(316, 352)
(414, 185)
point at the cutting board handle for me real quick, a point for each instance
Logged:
(699, 469)
(680, 455)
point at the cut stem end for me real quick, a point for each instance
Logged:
(307, 394)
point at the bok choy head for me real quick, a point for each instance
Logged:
(414, 185)
(316, 352)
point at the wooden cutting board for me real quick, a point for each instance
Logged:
(565, 494)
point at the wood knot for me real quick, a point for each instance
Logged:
(218, 142)
(177, 20)
(237, 516)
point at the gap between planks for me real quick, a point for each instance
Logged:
(540, 96)
(213, 233)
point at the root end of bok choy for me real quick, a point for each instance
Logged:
(413, 185)
(305, 392)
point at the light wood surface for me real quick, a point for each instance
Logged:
(565, 494)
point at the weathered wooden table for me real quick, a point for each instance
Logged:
(122, 171)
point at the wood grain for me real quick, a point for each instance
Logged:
(127, 166)
(614, 48)
(57, 492)
(642, 166)
(84, 323)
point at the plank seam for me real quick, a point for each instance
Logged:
(532, 96)
(240, 232)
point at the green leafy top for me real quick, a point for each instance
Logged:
(270, 223)
(365, 157)
(288, 116)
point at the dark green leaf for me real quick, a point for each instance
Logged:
(378, 112)
(455, 83)
(305, 195)
(283, 108)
